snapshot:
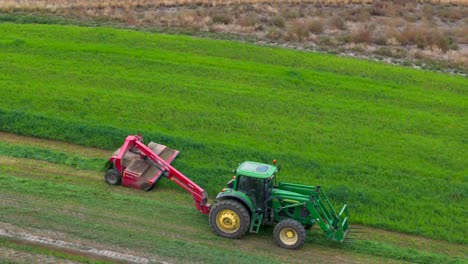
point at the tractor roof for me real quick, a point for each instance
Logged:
(256, 170)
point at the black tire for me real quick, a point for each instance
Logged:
(113, 177)
(229, 218)
(289, 234)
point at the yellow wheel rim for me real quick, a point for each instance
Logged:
(228, 221)
(288, 236)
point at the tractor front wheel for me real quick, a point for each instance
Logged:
(113, 177)
(289, 234)
(229, 218)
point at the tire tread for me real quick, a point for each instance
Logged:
(239, 209)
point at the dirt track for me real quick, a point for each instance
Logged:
(81, 248)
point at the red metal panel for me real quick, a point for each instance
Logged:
(130, 179)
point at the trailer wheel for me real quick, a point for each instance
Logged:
(229, 218)
(289, 234)
(113, 177)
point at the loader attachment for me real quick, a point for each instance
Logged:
(343, 225)
(334, 225)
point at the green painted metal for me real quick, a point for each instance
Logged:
(256, 222)
(256, 170)
(233, 194)
(304, 203)
(309, 205)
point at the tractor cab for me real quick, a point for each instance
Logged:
(252, 186)
(253, 198)
(256, 181)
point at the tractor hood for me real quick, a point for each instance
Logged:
(293, 196)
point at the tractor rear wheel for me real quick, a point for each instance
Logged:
(289, 234)
(229, 218)
(113, 177)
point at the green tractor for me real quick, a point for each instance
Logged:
(253, 198)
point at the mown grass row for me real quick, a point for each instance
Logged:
(405, 254)
(388, 140)
(58, 157)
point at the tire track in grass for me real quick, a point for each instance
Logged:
(16, 233)
(53, 156)
(10, 255)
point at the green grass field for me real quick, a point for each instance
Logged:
(388, 140)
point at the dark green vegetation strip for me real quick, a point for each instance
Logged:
(36, 19)
(388, 140)
(22, 151)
